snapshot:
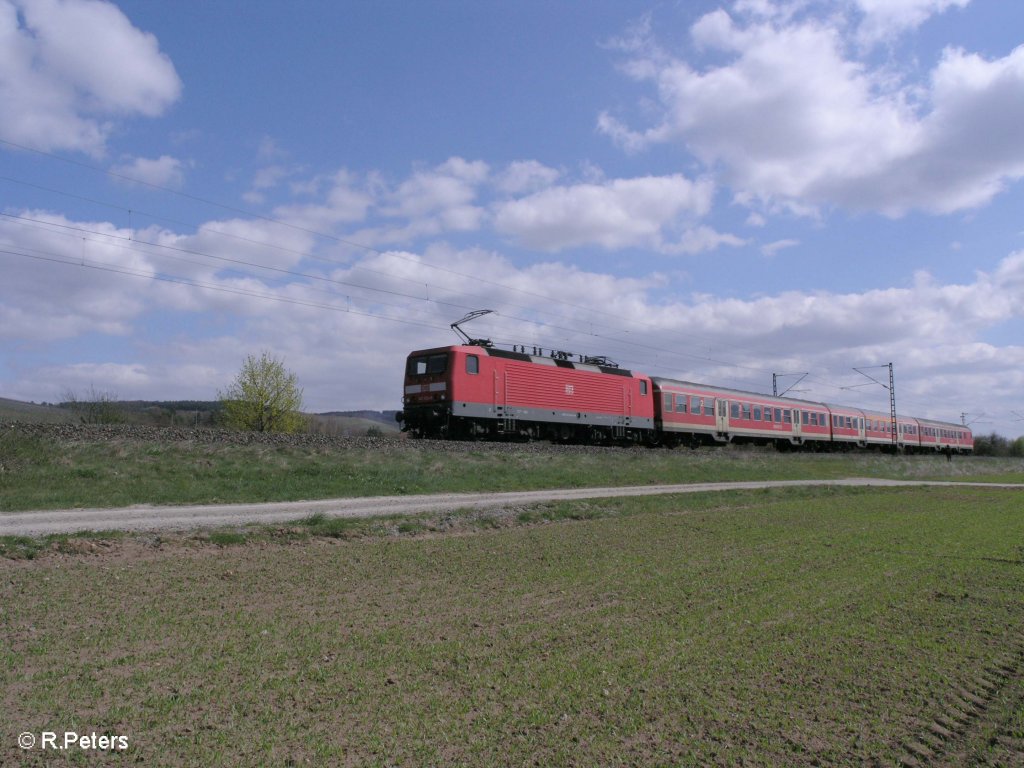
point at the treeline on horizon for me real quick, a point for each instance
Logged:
(107, 409)
(996, 445)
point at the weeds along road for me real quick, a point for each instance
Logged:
(154, 518)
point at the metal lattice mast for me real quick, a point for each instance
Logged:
(892, 407)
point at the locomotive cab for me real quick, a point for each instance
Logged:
(427, 394)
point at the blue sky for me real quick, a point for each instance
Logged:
(711, 191)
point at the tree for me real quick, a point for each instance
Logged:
(264, 397)
(95, 407)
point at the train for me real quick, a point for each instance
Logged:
(476, 391)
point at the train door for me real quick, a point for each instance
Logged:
(797, 426)
(722, 418)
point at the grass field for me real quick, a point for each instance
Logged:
(762, 628)
(39, 473)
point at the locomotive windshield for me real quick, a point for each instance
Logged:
(424, 365)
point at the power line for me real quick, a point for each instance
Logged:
(86, 264)
(393, 254)
(133, 244)
(660, 352)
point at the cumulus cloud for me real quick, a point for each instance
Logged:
(69, 68)
(164, 171)
(347, 200)
(793, 118)
(886, 19)
(526, 176)
(43, 301)
(447, 191)
(620, 213)
(371, 312)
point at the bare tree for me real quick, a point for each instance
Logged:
(94, 407)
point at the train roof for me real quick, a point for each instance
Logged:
(663, 380)
(560, 362)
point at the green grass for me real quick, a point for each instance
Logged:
(29, 547)
(787, 627)
(37, 473)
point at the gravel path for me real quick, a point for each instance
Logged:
(148, 518)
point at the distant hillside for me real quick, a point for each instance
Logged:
(185, 413)
(354, 422)
(384, 417)
(45, 413)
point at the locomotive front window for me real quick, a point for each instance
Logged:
(472, 364)
(427, 365)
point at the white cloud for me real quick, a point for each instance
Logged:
(886, 19)
(525, 176)
(44, 301)
(164, 171)
(620, 213)
(791, 118)
(933, 330)
(348, 200)
(68, 68)
(770, 249)
(451, 186)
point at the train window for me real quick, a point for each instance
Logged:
(734, 410)
(427, 364)
(746, 411)
(709, 406)
(643, 386)
(787, 416)
(472, 364)
(695, 406)
(767, 414)
(681, 404)
(757, 413)
(667, 402)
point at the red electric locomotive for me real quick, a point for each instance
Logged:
(475, 391)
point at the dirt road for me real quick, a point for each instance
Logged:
(142, 518)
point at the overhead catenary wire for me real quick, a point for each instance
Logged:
(345, 241)
(660, 352)
(126, 242)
